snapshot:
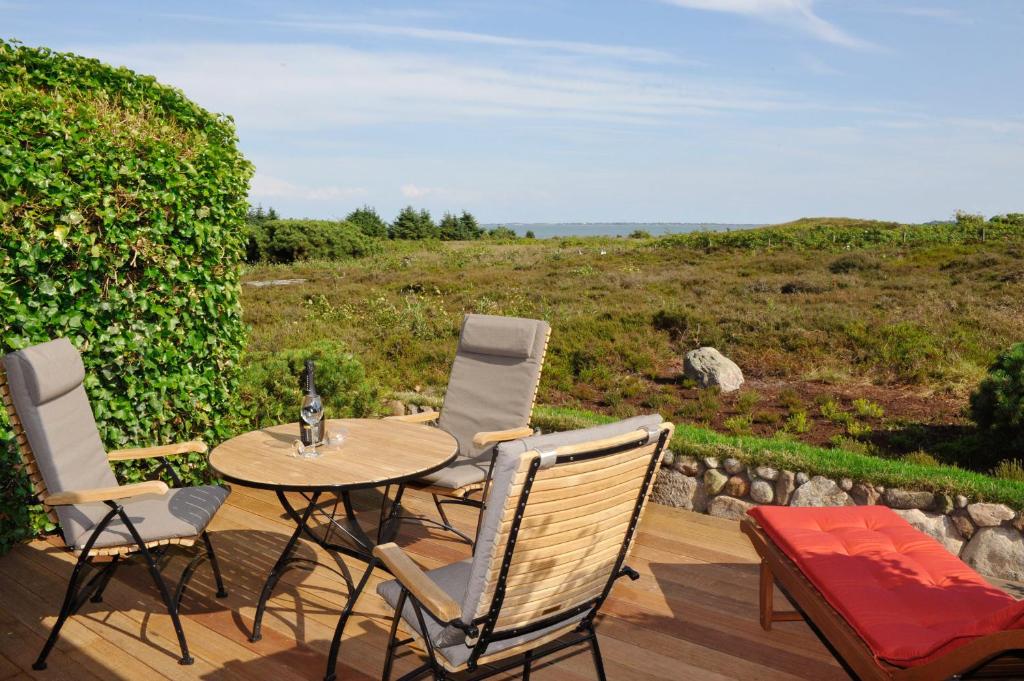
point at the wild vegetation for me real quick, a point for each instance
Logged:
(871, 350)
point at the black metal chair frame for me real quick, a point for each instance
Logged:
(92, 590)
(482, 628)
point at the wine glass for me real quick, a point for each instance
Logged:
(312, 412)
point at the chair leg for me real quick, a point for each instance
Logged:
(389, 657)
(221, 591)
(445, 523)
(65, 612)
(527, 663)
(598, 661)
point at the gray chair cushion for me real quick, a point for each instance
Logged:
(461, 473)
(497, 336)
(492, 390)
(450, 641)
(182, 512)
(61, 430)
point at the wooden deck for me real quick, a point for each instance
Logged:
(692, 615)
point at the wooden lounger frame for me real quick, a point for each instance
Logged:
(998, 655)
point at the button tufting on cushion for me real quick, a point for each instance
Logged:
(903, 592)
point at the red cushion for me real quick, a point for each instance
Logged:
(907, 596)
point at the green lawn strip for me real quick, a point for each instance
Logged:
(797, 456)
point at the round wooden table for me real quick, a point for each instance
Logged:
(375, 453)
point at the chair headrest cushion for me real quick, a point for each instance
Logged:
(49, 370)
(500, 336)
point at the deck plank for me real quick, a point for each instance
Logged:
(693, 613)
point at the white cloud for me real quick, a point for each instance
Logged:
(280, 86)
(412, 191)
(268, 187)
(795, 13)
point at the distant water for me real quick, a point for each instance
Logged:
(543, 230)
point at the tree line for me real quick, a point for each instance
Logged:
(408, 224)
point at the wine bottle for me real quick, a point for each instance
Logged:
(311, 421)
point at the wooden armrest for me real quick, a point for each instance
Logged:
(84, 496)
(422, 417)
(197, 446)
(411, 576)
(490, 437)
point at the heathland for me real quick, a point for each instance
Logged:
(854, 336)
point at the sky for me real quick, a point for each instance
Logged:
(733, 111)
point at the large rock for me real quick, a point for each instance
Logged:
(784, 486)
(820, 491)
(766, 472)
(708, 367)
(761, 491)
(996, 552)
(732, 465)
(673, 488)
(963, 523)
(729, 507)
(936, 525)
(989, 515)
(901, 498)
(864, 495)
(714, 481)
(736, 486)
(688, 465)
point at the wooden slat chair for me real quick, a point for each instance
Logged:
(555, 533)
(490, 396)
(101, 521)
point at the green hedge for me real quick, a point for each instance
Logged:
(122, 206)
(285, 241)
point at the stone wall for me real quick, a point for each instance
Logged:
(986, 536)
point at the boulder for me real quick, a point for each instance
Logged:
(820, 491)
(766, 472)
(935, 525)
(845, 484)
(784, 486)
(961, 501)
(762, 492)
(711, 461)
(396, 408)
(736, 486)
(802, 478)
(714, 481)
(989, 515)
(943, 503)
(996, 552)
(667, 457)
(687, 465)
(732, 466)
(673, 488)
(864, 495)
(729, 507)
(708, 367)
(901, 498)
(963, 524)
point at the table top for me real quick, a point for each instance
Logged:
(375, 452)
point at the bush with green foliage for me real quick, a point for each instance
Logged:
(122, 206)
(413, 224)
(369, 222)
(998, 403)
(284, 241)
(502, 233)
(639, 234)
(269, 387)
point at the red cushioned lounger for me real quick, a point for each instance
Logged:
(889, 600)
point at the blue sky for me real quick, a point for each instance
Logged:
(652, 110)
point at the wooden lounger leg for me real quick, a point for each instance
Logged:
(768, 614)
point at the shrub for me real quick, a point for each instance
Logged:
(501, 234)
(998, 403)
(852, 263)
(269, 385)
(368, 222)
(284, 241)
(920, 458)
(121, 213)
(798, 423)
(639, 234)
(867, 409)
(1009, 469)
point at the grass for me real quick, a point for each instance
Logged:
(832, 463)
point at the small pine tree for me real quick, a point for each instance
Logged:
(470, 228)
(427, 227)
(368, 222)
(450, 228)
(529, 234)
(272, 214)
